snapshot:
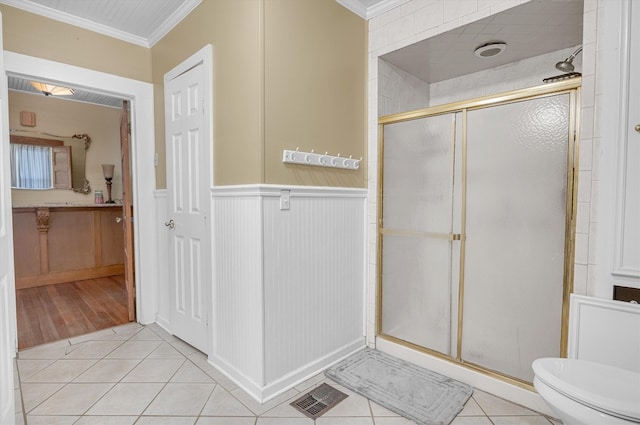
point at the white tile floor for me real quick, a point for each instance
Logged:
(141, 375)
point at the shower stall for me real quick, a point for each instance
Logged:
(475, 228)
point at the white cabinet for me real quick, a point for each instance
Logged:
(614, 234)
(627, 208)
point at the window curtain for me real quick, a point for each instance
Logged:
(30, 167)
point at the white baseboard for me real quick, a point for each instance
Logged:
(163, 323)
(264, 393)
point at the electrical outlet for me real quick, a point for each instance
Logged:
(285, 198)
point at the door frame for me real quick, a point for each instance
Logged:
(142, 153)
(8, 342)
(203, 57)
(127, 208)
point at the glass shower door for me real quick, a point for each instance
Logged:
(417, 249)
(475, 231)
(516, 209)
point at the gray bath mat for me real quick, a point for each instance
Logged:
(421, 395)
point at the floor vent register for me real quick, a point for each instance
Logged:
(318, 401)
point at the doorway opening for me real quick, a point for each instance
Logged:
(140, 95)
(74, 273)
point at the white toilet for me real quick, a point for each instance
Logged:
(581, 392)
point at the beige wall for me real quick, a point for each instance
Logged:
(34, 35)
(287, 74)
(234, 30)
(66, 118)
(315, 89)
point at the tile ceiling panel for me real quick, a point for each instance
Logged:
(532, 29)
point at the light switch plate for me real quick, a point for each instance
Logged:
(285, 199)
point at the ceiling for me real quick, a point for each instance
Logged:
(22, 85)
(145, 22)
(531, 29)
(141, 22)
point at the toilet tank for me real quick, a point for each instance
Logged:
(604, 331)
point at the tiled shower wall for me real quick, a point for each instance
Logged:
(421, 19)
(399, 90)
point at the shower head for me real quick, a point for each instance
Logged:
(567, 64)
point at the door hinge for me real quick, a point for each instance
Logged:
(129, 129)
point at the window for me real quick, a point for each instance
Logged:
(31, 167)
(40, 165)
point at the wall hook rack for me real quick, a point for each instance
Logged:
(320, 160)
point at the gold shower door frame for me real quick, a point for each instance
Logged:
(571, 87)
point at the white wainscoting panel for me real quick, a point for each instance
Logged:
(313, 276)
(162, 260)
(604, 331)
(237, 291)
(289, 283)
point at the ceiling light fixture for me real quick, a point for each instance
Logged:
(491, 49)
(51, 89)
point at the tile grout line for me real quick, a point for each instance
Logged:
(140, 415)
(65, 384)
(103, 357)
(196, 361)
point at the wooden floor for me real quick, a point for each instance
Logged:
(53, 312)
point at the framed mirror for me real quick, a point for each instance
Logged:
(46, 164)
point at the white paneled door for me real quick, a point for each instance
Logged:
(7, 290)
(188, 185)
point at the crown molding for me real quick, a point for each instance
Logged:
(87, 24)
(173, 20)
(76, 21)
(358, 7)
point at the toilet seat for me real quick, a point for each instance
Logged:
(605, 388)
